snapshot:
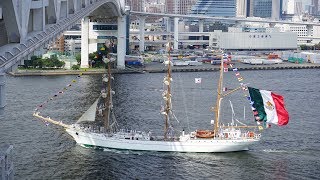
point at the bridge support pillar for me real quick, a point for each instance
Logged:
(87, 2)
(38, 18)
(201, 22)
(142, 20)
(2, 92)
(85, 42)
(176, 33)
(168, 24)
(121, 47)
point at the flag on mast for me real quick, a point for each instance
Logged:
(269, 106)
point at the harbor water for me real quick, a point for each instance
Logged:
(44, 151)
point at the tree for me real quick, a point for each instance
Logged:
(78, 58)
(48, 63)
(303, 47)
(37, 63)
(92, 56)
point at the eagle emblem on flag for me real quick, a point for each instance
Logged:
(269, 105)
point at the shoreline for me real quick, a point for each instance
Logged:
(159, 68)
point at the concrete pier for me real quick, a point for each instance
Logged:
(155, 67)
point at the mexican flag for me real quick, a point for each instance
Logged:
(268, 106)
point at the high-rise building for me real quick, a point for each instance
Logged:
(224, 8)
(276, 9)
(266, 8)
(179, 6)
(185, 6)
(294, 7)
(262, 8)
(298, 8)
(314, 7)
(136, 5)
(171, 6)
(290, 6)
(241, 8)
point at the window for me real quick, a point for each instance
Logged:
(105, 27)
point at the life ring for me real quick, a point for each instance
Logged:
(204, 134)
(251, 134)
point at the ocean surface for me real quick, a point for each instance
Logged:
(48, 152)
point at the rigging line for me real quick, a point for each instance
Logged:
(240, 122)
(234, 115)
(183, 100)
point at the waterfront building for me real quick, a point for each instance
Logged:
(99, 34)
(253, 38)
(58, 45)
(304, 33)
(300, 30)
(222, 8)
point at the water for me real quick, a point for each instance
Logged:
(47, 152)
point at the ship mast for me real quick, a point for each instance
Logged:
(107, 101)
(219, 98)
(167, 94)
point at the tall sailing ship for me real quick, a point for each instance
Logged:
(220, 138)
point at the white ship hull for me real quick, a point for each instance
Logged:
(91, 139)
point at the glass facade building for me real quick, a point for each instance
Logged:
(263, 8)
(221, 8)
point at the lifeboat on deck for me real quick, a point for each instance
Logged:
(204, 134)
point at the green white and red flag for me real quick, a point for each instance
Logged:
(268, 106)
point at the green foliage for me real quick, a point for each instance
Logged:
(53, 62)
(34, 58)
(92, 55)
(78, 58)
(75, 67)
(303, 47)
(314, 47)
(37, 63)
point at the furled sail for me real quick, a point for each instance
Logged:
(90, 114)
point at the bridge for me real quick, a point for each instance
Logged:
(26, 26)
